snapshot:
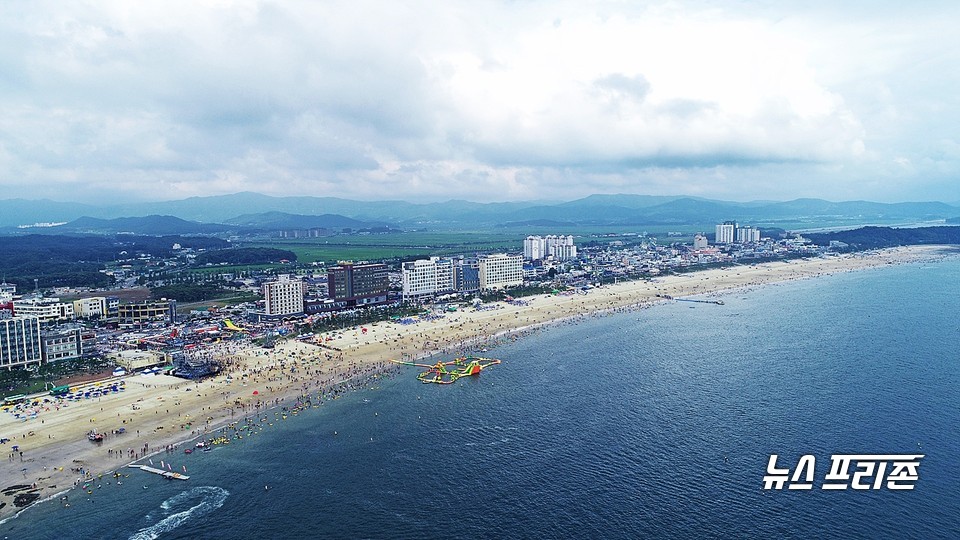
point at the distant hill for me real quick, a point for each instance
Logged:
(866, 209)
(537, 223)
(623, 200)
(282, 220)
(150, 225)
(682, 210)
(264, 212)
(15, 212)
(223, 208)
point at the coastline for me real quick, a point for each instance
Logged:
(155, 411)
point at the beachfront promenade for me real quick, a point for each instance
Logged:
(157, 412)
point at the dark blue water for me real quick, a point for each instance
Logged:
(656, 423)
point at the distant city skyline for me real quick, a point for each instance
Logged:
(110, 102)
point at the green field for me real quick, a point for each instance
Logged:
(232, 268)
(407, 245)
(422, 244)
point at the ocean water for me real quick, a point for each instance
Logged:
(649, 424)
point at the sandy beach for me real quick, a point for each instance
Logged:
(158, 412)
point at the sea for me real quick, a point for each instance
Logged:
(652, 423)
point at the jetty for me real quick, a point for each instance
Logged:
(166, 474)
(717, 302)
(668, 297)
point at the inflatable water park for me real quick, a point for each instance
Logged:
(450, 372)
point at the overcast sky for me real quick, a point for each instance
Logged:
(485, 101)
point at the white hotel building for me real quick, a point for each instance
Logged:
(284, 296)
(500, 270)
(20, 342)
(426, 277)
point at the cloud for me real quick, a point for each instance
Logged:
(617, 88)
(490, 101)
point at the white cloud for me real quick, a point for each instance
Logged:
(487, 101)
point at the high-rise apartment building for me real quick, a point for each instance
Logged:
(748, 235)
(534, 248)
(700, 242)
(726, 233)
(540, 247)
(729, 232)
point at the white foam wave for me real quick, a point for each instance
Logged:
(56, 495)
(204, 499)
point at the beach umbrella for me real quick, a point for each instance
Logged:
(256, 392)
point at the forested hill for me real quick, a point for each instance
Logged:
(77, 260)
(883, 237)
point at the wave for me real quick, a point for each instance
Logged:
(56, 495)
(195, 502)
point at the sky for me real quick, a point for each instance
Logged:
(480, 100)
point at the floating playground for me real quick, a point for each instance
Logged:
(450, 372)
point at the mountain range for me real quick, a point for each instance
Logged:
(252, 211)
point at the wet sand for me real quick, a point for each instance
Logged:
(160, 412)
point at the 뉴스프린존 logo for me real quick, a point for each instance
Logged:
(856, 471)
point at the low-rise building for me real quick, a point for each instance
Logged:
(134, 360)
(7, 292)
(146, 312)
(96, 307)
(48, 310)
(61, 344)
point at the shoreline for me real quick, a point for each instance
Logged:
(256, 380)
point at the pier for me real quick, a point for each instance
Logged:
(166, 474)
